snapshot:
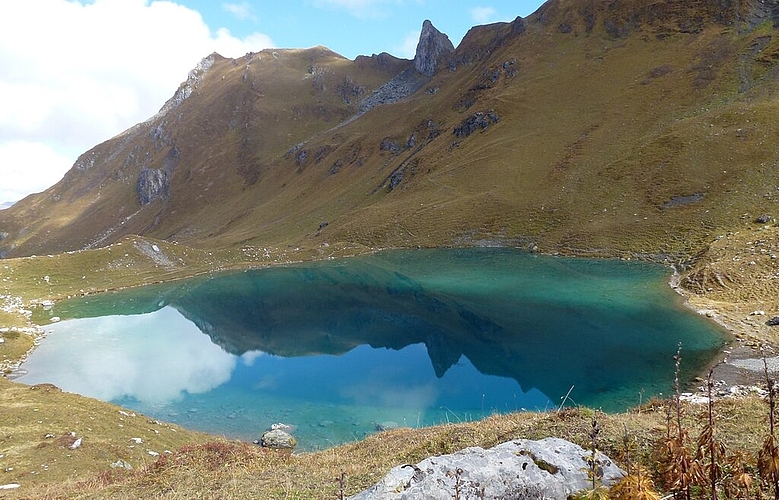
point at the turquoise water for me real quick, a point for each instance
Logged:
(340, 349)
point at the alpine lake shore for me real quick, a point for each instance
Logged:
(55, 444)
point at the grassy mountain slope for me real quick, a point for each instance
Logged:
(622, 127)
(639, 126)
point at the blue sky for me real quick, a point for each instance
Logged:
(77, 72)
(356, 27)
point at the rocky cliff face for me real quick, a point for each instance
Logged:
(432, 47)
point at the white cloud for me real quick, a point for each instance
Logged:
(241, 10)
(483, 15)
(75, 73)
(407, 48)
(27, 167)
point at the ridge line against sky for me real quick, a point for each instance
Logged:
(77, 72)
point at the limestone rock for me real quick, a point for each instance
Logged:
(277, 438)
(432, 47)
(152, 184)
(551, 468)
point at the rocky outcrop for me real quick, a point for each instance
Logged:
(398, 88)
(757, 12)
(433, 46)
(153, 183)
(551, 468)
(432, 49)
(193, 81)
(476, 121)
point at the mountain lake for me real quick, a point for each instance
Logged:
(343, 348)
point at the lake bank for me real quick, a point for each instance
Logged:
(729, 316)
(551, 324)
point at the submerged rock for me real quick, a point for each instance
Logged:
(551, 468)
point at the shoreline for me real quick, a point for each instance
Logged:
(737, 370)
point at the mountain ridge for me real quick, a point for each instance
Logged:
(571, 129)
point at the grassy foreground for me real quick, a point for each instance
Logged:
(40, 426)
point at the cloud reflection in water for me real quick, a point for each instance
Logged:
(148, 357)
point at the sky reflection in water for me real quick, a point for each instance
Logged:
(153, 358)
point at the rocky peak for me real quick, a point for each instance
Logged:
(432, 46)
(194, 78)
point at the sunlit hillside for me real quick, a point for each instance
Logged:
(646, 127)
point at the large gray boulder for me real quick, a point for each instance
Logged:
(279, 439)
(551, 468)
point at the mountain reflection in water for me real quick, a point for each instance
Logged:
(607, 328)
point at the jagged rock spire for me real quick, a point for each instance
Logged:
(432, 46)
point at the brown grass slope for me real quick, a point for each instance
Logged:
(635, 126)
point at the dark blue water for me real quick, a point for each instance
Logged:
(407, 338)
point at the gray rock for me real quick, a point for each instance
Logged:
(551, 468)
(153, 183)
(396, 177)
(193, 81)
(301, 156)
(397, 89)
(764, 219)
(277, 438)
(773, 321)
(476, 121)
(386, 426)
(387, 144)
(518, 26)
(433, 46)
(121, 464)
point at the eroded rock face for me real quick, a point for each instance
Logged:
(153, 183)
(551, 468)
(477, 121)
(432, 47)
